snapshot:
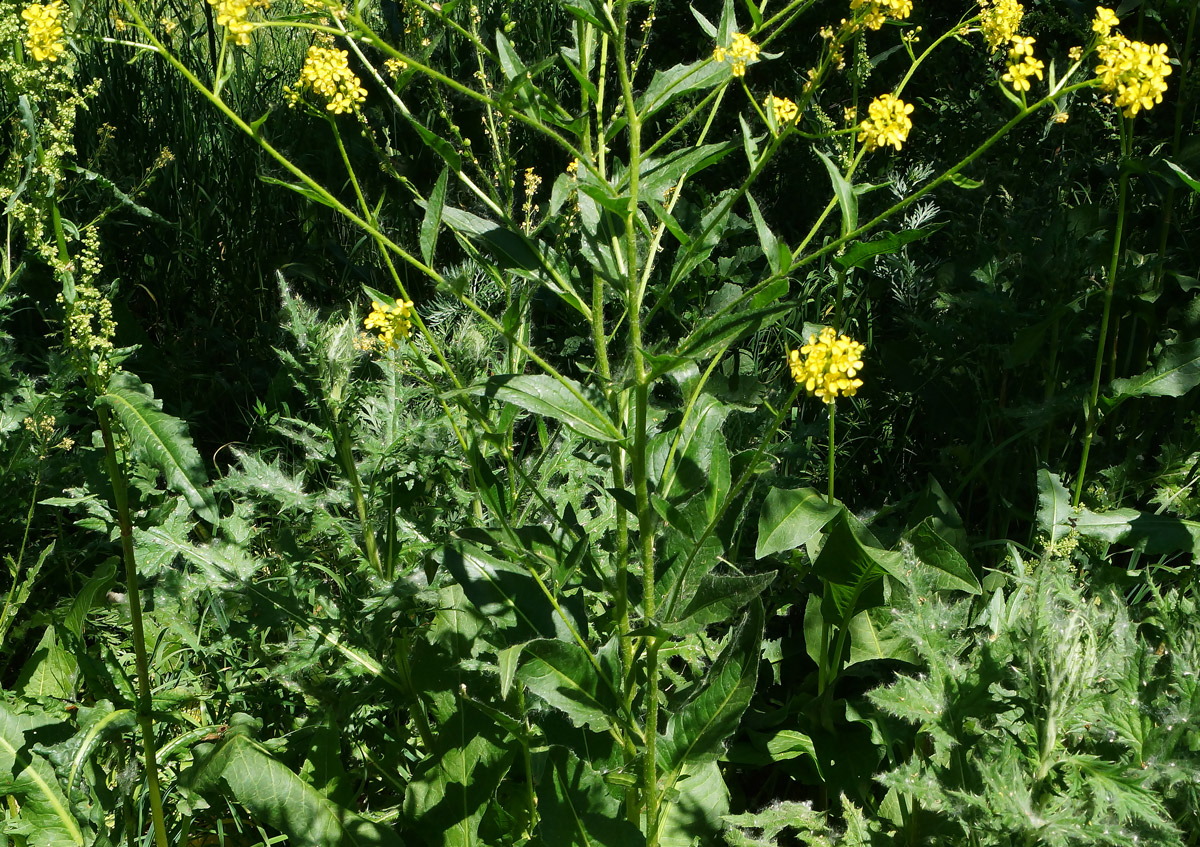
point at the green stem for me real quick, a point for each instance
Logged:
(832, 416)
(1093, 408)
(145, 720)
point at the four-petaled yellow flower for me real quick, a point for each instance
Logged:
(785, 110)
(741, 50)
(44, 39)
(828, 365)
(887, 122)
(1134, 71)
(391, 321)
(878, 11)
(327, 72)
(234, 16)
(1021, 63)
(999, 20)
(1104, 21)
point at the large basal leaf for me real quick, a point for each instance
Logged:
(450, 792)
(509, 596)
(690, 448)
(563, 675)
(696, 731)
(852, 572)
(562, 400)
(576, 808)
(28, 777)
(242, 770)
(1155, 535)
(790, 517)
(160, 440)
(945, 568)
(1175, 374)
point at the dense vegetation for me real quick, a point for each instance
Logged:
(599, 423)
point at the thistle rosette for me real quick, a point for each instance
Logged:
(828, 365)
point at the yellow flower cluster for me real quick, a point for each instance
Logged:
(234, 15)
(390, 321)
(1136, 72)
(740, 51)
(44, 37)
(785, 110)
(888, 122)
(878, 11)
(1021, 63)
(327, 72)
(827, 365)
(999, 20)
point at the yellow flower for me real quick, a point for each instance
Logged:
(878, 11)
(1104, 21)
(828, 365)
(740, 51)
(390, 321)
(395, 66)
(1136, 72)
(1021, 63)
(327, 72)
(785, 110)
(234, 16)
(999, 20)
(887, 122)
(44, 39)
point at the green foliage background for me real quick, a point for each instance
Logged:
(372, 630)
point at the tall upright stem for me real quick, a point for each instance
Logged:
(1093, 411)
(120, 493)
(832, 409)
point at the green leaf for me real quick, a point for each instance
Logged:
(161, 441)
(697, 730)
(101, 722)
(563, 675)
(1175, 374)
(790, 518)
(857, 254)
(659, 176)
(301, 189)
(513, 249)
(666, 86)
(766, 238)
(508, 596)
(510, 62)
(561, 399)
(965, 182)
(122, 198)
(49, 672)
(576, 808)
(844, 191)
(1184, 176)
(852, 572)
(86, 598)
(717, 598)
(691, 813)
(945, 568)
(27, 776)
(1153, 534)
(432, 221)
(1054, 506)
(244, 772)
